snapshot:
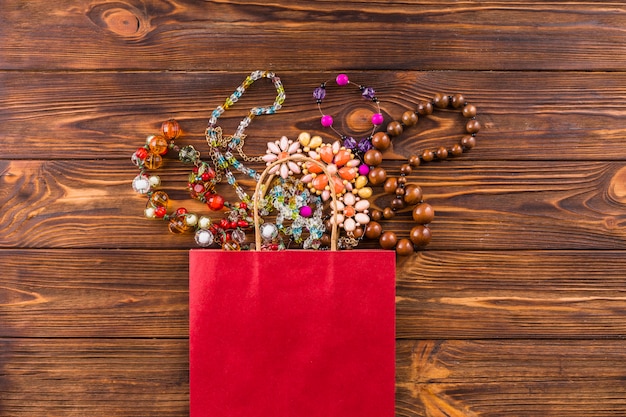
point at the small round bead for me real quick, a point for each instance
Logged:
(373, 230)
(456, 149)
(404, 247)
(468, 142)
(472, 126)
(409, 118)
(420, 235)
(414, 161)
(394, 128)
(376, 215)
(327, 120)
(469, 111)
(170, 129)
(373, 157)
(388, 213)
(402, 180)
(306, 211)
(342, 79)
(388, 240)
(441, 100)
(377, 119)
(400, 191)
(397, 203)
(424, 108)
(458, 100)
(358, 232)
(364, 169)
(381, 141)
(377, 176)
(325, 240)
(406, 169)
(423, 213)
(428, 155)
(216, 202)
(391, 185)
(412, 194)
(442, 153)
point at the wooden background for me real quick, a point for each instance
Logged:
(518, 306)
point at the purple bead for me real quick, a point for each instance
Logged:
(365, 145)
(349, 142)
(342, 79)
(368, 93)
(364, 169)
(319, 93)
(377, 119)
(327, 120)
(306, 211)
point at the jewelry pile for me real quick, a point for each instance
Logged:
(309, 186)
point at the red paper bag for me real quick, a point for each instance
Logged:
(293, 333)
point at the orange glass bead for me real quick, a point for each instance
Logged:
(171, 129)
(153, 160)
(157, 144)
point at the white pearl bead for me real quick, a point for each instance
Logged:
(204, 222)
(191, 219)
(150, 212)
(155, 181)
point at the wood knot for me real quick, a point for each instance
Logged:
(617, 187)
(359, 121)
(121, 19)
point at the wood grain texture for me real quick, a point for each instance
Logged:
(517, 306)
(300, 35)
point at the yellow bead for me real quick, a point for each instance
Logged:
(365, 192)
(361, 181)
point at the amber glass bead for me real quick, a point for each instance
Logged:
(472, 126)
(153, 160)
(394, 128)
(458, 100)
(414, 161)
(159, 199)
(388, 213)
(404, 247)
(424, 108)
(456, 149)
(442, 153)
(157, 144)
(409, 118)
(178, 224)
(423, 213)
(170, 129)
(428, 155)
(388, 240)
(373, 230)
(468, 141)
(441, 101)
(377, 176)
(469, 111)
(381, 141)
(390, 185)
(373, 157)
(412, 194)
(420, 235)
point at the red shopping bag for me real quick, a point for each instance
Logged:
(292, 333)
(295, 333)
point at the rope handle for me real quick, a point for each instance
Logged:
(259, 190)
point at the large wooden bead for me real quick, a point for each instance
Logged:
(469, 111)
(428, 155)
(472, 126)
(377, 176)
(390, 185)
(409, 118)
(373, 157)
(394, 128)
(441, 101)
(420, 235)
(388, 213)
(468, 142)
(404, 247)
(381, 141)
(373, 230)
(388, 240)
(425, 108)
(412, 194)
(414, 161)
(458, 100)
(423, 213)
(376, 215)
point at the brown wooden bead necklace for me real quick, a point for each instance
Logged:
(411, 194)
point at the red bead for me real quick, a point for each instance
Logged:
(243, 223)
(216, 202)
(243, 206)
(180, 211)
(224, 223)
(141, 153)
(160, 212)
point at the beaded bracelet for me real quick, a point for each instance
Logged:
(228, 232)
(222, 147)
(422, 213)
(326, 120)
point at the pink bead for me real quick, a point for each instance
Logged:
(306, 211)
(364, 169)
(327, 120)
(377, 119)
(342, 79)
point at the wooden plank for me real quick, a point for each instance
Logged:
(525, 115)
(479, 205)
(300, 35)
(440, 294)
(131, 377)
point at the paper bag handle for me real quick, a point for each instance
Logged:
(257, 196)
